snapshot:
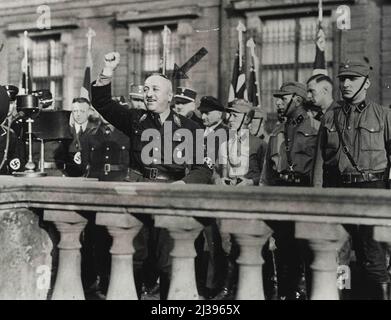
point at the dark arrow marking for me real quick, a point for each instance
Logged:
(180, 72)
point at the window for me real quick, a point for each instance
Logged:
(153, 50)
(288, 52)
(47, 67)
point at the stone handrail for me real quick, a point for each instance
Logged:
(25, 246)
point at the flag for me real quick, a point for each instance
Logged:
(26, 73)
(238, 84)
(252, 88)
(320, 59)
(85, 90)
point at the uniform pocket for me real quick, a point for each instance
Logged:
(306, 141)
(371, 137)
(332, 138)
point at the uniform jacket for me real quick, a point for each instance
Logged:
(133, 122)
(366, 130)
(302, 133)
(105, 147)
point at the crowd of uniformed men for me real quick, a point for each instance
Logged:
(317, 141)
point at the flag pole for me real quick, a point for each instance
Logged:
(251, 44)
(165, 34)
(26, 78)
(320, 13)
(240, 28)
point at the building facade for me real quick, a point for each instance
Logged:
(284, 31)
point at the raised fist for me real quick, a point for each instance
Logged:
(111, 62)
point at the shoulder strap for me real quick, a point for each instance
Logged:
(287, 148)
(345, 148)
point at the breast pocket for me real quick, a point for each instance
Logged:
(306, 141)
(371, 136)
(332, 139)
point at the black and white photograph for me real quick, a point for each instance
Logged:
(212, 151)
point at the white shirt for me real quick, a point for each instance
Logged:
(210, 129)
(235, 155)
(81, 127)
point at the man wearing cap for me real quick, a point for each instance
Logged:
(185, 104)
(241, 158)
(12, 154)
(215, 133)
(290, 161)
(158, 95)
(355, 140)
(136, 97)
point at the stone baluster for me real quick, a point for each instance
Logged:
(68, 285)
(325, 240)
(123, 228)
(184, 231)
(251, 236)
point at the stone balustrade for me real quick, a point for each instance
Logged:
(39, 214)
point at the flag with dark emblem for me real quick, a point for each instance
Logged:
(85, 90)
(320, 46)
(237, 88)
(27, 84)
(252, 88)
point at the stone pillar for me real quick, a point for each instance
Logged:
(325, 240)
(68, 285)
(25, 256)
(184, 231)
(123, 228)
(251, 236)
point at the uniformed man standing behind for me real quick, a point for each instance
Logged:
(289, 161)
(320, 94)
(185, 104)
(157, 97)
(82, 124)
(355, 139)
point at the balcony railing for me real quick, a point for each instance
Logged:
(25, 247)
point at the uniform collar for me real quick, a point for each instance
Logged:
(298, 117)
(354, 107)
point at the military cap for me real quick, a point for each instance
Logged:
(209, 103)
(4, 103)
(240, 106)
(185, 95)
(292, 87)
(354, 68)
(136, 91)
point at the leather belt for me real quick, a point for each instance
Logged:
(348, 178)
(108, 167)
(294, 177)
(156, 174)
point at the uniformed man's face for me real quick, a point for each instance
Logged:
(211, 118)
(279, 105)
(157, 93)
(80, 112)
(236, 122)
(350, 86)
(184, 108)
(315, 93)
